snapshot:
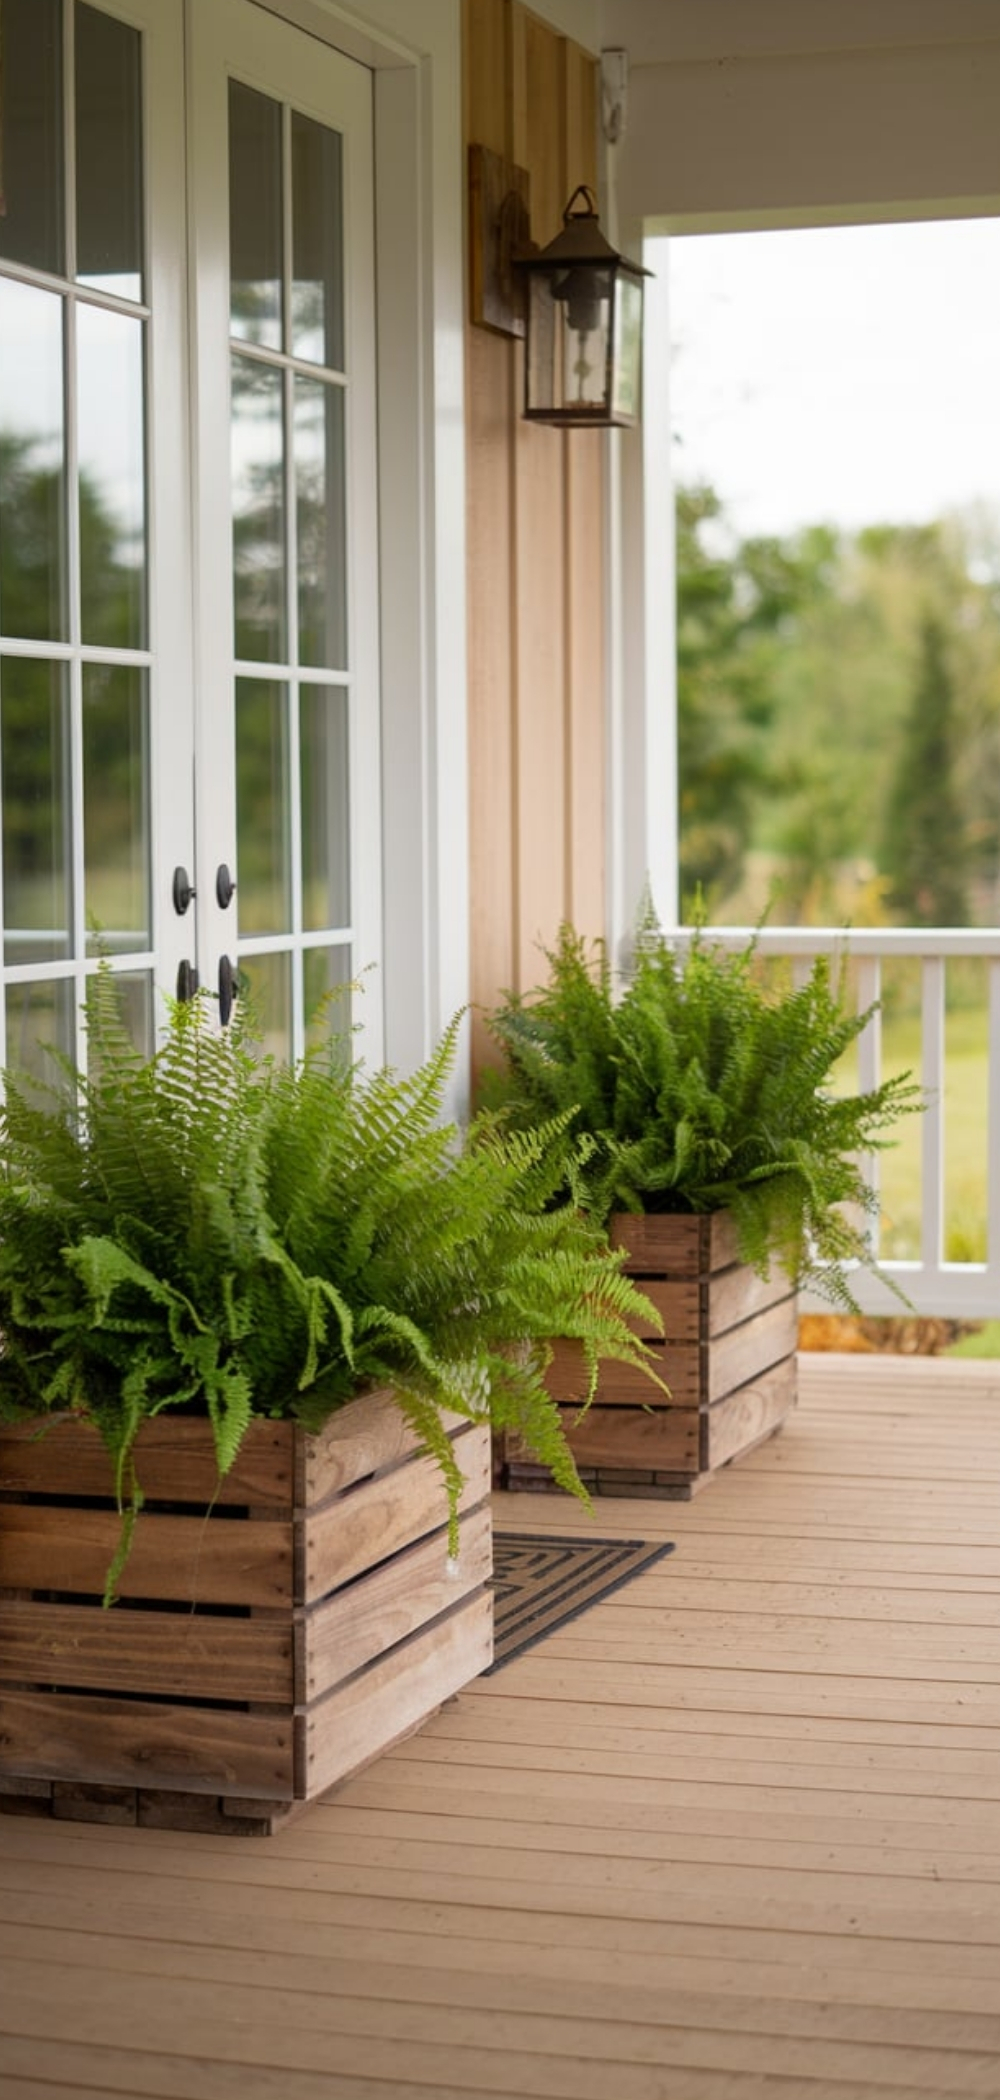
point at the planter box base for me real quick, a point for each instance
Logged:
(149, 1808)
(275, 1632)
(728, 1358)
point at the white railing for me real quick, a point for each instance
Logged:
(934, 1286)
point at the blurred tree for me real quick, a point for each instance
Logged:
(925, 849)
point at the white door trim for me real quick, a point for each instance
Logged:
(414, 48)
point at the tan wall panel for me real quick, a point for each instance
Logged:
(535, 540)
(539, 471)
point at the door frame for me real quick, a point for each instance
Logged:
(230, 40)
(414, 49)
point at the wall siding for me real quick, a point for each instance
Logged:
(535, 560)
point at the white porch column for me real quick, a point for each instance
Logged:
(642, 669)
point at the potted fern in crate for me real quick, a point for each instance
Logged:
(257, 1324)
(723, 1161)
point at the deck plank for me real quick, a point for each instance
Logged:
(733, 1835)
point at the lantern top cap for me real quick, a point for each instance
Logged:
(581, 242)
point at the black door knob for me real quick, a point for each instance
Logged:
(227, 989)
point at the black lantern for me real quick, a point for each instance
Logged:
(583, 347)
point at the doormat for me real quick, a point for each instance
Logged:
(541, 1580)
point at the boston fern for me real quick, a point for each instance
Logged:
(699, 1088)
(214, 1233)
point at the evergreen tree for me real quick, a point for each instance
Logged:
(925, 850)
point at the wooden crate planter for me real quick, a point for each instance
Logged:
(267, 1643)
(728, 1359)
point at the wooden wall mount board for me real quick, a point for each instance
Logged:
(166, 1715)
(499, 230)
(732, 1381)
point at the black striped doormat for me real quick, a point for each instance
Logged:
(541, 1580)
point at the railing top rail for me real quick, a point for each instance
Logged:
(851, 940)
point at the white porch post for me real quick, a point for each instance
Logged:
(642, 670)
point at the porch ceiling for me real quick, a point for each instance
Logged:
(771, 113)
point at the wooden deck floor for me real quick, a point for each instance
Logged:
(734, 1834)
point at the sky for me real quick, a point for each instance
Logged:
(846, 375)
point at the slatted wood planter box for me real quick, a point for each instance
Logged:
(260, 1653)
(728, 1359)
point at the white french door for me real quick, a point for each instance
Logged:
(189, 760)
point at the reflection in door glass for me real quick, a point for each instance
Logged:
(258, 512)
(115, 808)
(34, 758)
(255, 216)
(317, 244)
(134, 994)
(320, 523)
(31, 126)
(40, 1016)
(326, 834)
(327, 995)
(108, 154)
(262, 806)
(32, 464)
(267, 982)
(112, 478)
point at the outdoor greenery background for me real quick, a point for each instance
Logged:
(839, 751)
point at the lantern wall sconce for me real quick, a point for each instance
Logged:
(577, 303)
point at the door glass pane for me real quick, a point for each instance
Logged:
(112, 478)
(40, 1017)
(320, 523)
(255, 216)
(258, 512)
(31, 128)
(326, 836)
(317, 243)
(108, 154)
(326, 999)
(268, 988)
(262, 806)
(115, 808)
(135, 988)
(34, 754)
(32, 464)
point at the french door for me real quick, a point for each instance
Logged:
(189, 758)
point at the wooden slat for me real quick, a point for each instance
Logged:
(391, 1511)
(752, 1348)
(182, 1559)
(682, 1245)
(739, 1422)
(665, 1440)
(371, 1432)
(679, 1308)
(626, 1385)
(166, 1654)
(123, 1742)
(738, 1293)
(175, 1461)
(344, 1729)
(354, 1627)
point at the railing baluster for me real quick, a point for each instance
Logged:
(932, 1077)
(869, 990)
(993, 1123)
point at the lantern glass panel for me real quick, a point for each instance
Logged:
(627, 350)
(584, 350)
